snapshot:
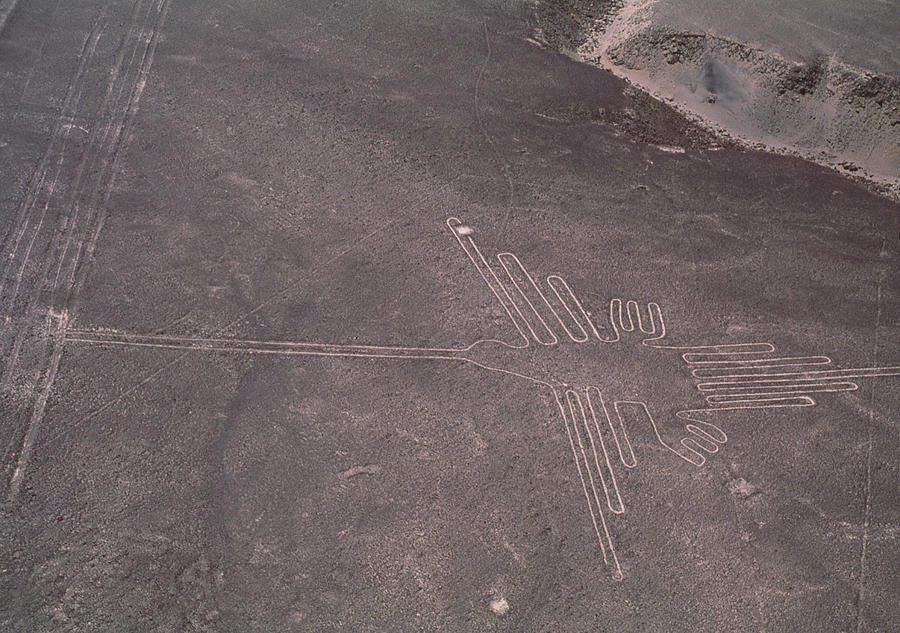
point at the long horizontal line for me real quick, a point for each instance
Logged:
(807, 386)
(731, 356)
(756, 364)
(730, 349)
(782, 400)
(723, 398)
(258, 347)
(751, 402)
(829, 374)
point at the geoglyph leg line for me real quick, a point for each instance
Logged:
(598, 518)
(598, 453)
(617, 432)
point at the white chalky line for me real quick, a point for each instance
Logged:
(97, 163)
(730, 377)
(741, 379)
(555, 280)
(598, 517)
(28, 222)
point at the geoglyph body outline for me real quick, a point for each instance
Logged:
(728, 376)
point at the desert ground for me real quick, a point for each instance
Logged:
(409, 316)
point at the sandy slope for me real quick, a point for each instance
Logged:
(798, 78)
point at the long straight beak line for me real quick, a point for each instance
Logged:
(259, 347)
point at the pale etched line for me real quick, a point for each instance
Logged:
(456, 227)
(6, 9)
(752, 363)
(709, 358)
(751, 368)
(289, 348)
(722, 348)
(78, 280)
(629, 319)
(146, 379)
(553, 339)
(34, 182)
(636, 320)
(824, 374)
(778, 386)
(505, 165)
(143, 381)
(657, 324)
(37, 412)
(738, 378)
(101, 191)
(867, 512)
(553, 281)
(13, 354)
(267, 347)
(773, 402)
(551, 186)
(573, 399)
(722, 398)
(105, 154)
(88, 243)
(76, 186)
(170, 324)
(761, 401)
(598, 518)
(618, 316)
(795, 382)
(693, 455)
(224, 347)
(508, 372)
(34, 230)
(290, 286)
(614, 501)
(89, 157)
(620, 435)
(153, 374)
(703, 437)
(58, 341)
(699, 442)
(59, 136)
(89, 336)
(600, 527)
(626, 317)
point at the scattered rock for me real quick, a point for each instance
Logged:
(742, 488)
(500, 606)
(565, 24)
(371, 469)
